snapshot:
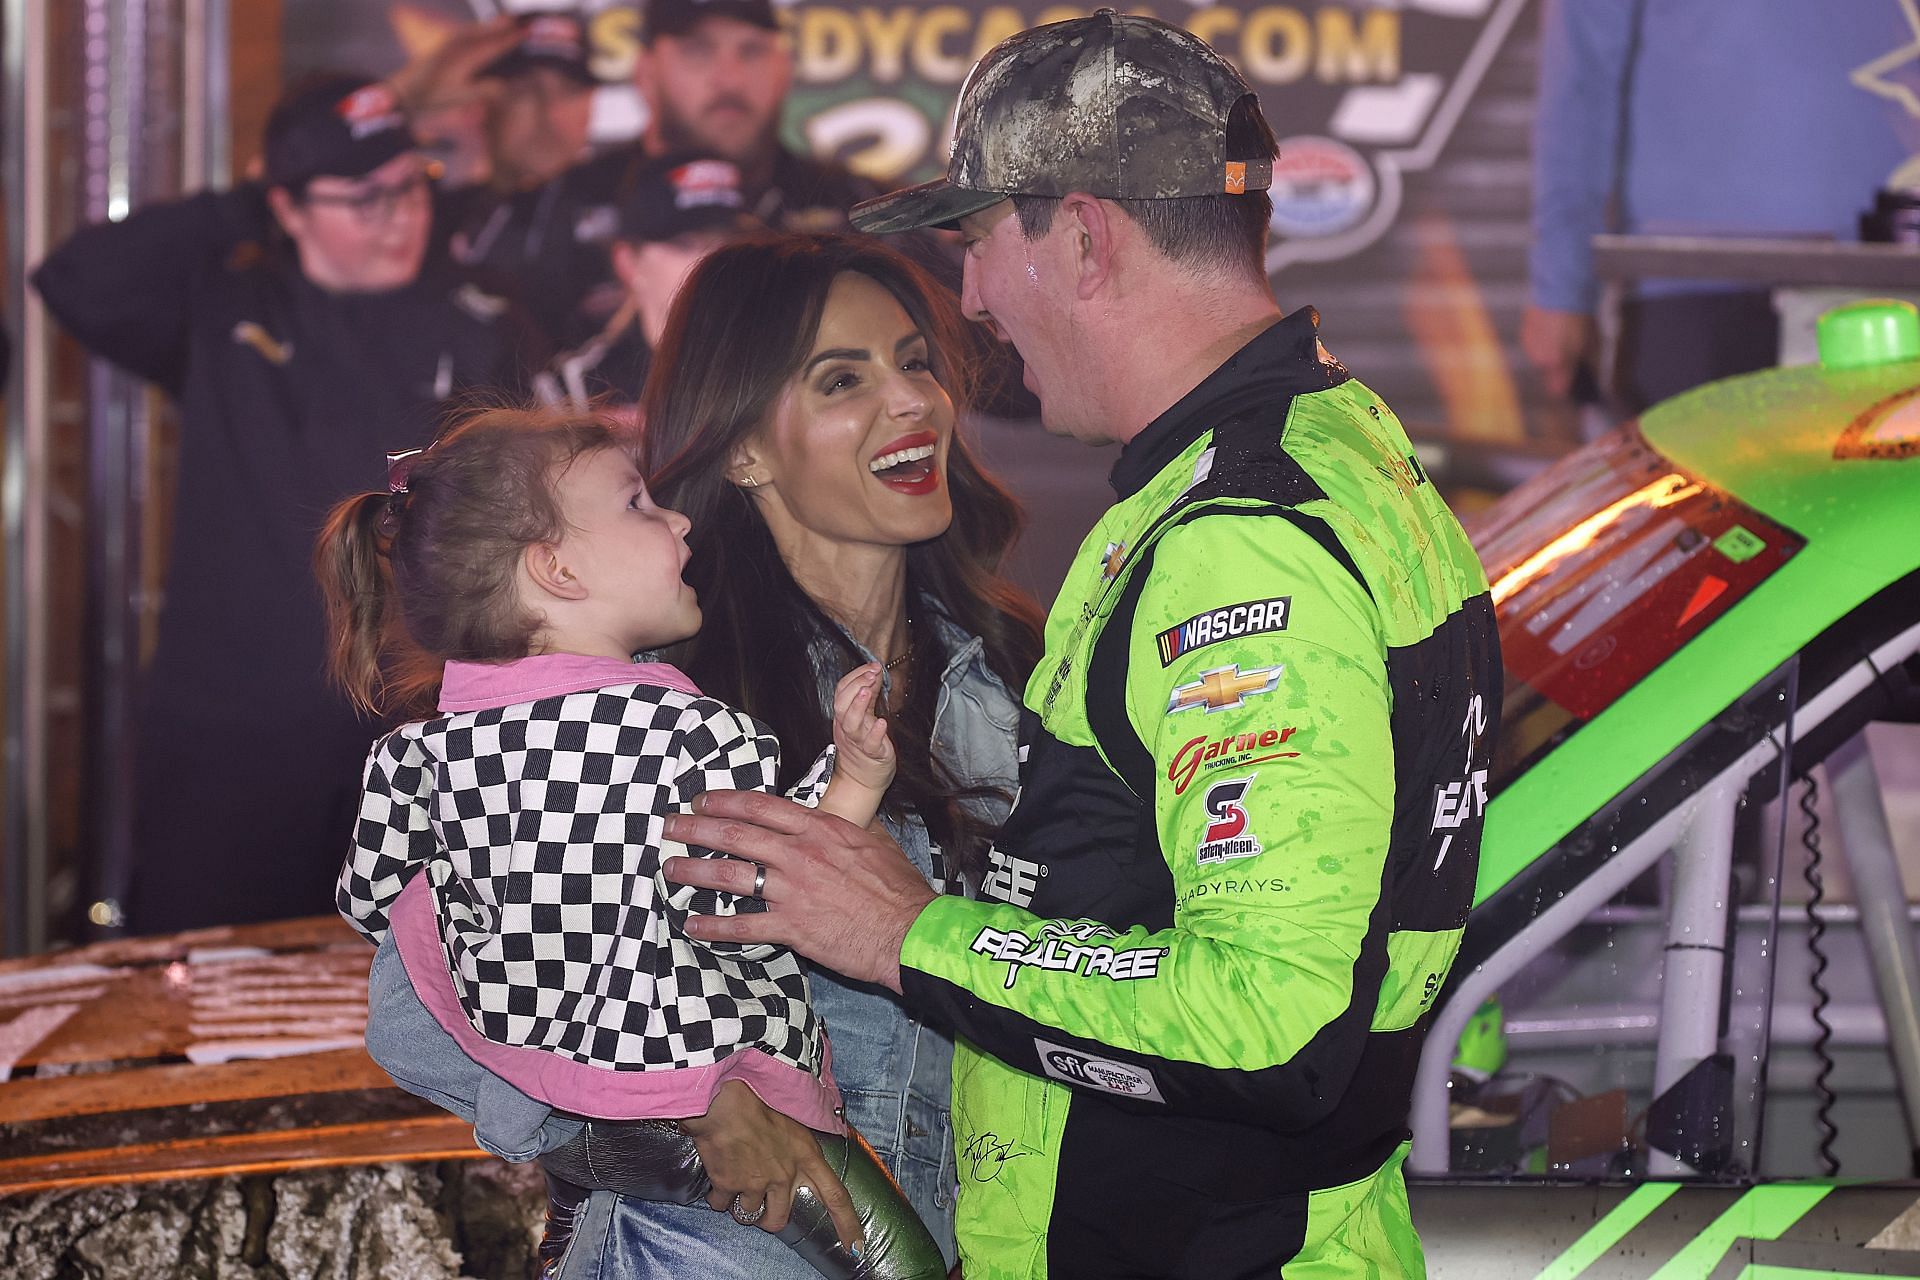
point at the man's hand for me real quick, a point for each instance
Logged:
(840, 896)
(1556, 342)
(753, 1152)
(445, 74)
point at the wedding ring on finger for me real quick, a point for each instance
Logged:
(744, 1218)
(759, 879)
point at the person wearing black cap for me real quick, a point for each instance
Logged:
(291, 322)
(1189, 999)
(535, 128)
(680, 209)
(715, 75)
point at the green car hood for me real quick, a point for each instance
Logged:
(1832, 455)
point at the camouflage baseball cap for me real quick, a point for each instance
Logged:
(1114, 105)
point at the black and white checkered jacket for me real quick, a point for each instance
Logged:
(535, 806)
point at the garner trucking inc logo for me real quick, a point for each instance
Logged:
(1205, 752)
(1068, 947)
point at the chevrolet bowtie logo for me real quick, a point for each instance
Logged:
(1224, 687)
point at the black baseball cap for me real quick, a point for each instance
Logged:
(336, 126)
(677, 194)
(1114, 105)
(554, 38)
(677, 17)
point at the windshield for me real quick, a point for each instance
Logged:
(1602, 567)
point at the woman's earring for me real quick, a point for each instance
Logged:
(749, 482)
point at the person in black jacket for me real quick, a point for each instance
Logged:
(715, 75)
(539, 99)
(681, 209)
(293, 325)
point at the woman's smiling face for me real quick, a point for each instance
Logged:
(855, 450)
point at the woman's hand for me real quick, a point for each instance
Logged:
(866, 754)
(753, 1152)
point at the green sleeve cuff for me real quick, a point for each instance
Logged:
(933, 934)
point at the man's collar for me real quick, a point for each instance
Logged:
(1283, 359)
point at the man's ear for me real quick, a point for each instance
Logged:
(286, 211)
(646, 77)
(1090, 226)
(550, 574)
(625, 260)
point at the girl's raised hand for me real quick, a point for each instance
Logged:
(860, 738)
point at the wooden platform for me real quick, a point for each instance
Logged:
(198, 1055)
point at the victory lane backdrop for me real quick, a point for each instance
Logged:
(1400, 195)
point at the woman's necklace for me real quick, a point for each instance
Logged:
(899, 687)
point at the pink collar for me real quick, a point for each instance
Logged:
(477, 686)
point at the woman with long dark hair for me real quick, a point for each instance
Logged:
(803, 412)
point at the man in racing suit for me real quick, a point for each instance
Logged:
(1254, 755)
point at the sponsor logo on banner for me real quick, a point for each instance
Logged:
(1229, 622)
(1206, 752)
(1078, 947)
(1372, 92)
(1320, 187)
(1076, 1066)
(1228, 834)
(1223, 688)
(1010, 879)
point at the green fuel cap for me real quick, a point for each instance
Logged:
(1874, 331)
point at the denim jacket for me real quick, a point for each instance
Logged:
(895, 1071)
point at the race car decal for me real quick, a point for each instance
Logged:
(1667, 1230)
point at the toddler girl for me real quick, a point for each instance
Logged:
(511, 844)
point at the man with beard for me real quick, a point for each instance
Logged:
(715, 74)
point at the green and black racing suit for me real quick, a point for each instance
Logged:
(1252, 783)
